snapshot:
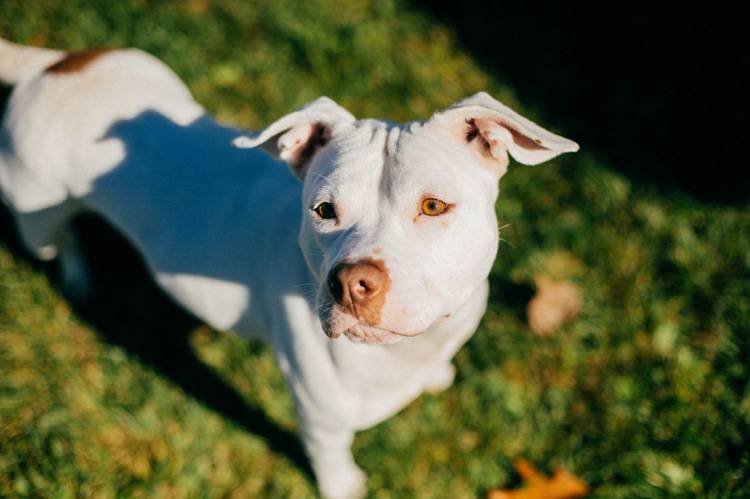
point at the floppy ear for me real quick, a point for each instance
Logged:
(494, 130)
(299, 135)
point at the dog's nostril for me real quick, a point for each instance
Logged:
(364, 289)
(335, 287)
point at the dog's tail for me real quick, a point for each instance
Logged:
(18, 62)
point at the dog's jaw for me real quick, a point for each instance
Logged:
(336, 323)
(372, 335)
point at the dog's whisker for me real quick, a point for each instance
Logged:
(320, 175)
(503, 240)
(314, 253)
(305, 284)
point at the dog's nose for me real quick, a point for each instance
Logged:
(360, 288)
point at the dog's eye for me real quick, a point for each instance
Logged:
(433, 207)
(325, 210)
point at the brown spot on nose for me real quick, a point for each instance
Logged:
(360, 288)
(76, 61)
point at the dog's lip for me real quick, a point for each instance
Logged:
(440, 319)
(373, 335)
(378, 330)
(383, 330)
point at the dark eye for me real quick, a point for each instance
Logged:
(325, 210)
(433, 207)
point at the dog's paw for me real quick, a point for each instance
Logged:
(440, 379)
(347, 482)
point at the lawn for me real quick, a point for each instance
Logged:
(646, 394)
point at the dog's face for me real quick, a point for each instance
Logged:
(398, 222)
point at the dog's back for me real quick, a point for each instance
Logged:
(58, 117)
(116, 132)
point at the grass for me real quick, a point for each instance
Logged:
(645, 395)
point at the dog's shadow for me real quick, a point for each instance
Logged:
(128, 310)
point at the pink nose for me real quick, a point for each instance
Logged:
(360, 288)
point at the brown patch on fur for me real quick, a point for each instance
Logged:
(76, 61)
(363, 287)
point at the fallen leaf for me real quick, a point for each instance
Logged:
(554, 304)
(562, 485)
(197, 6)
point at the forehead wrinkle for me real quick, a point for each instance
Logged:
(356, 175)
(356, 152)
(390, 151)
(399, 165)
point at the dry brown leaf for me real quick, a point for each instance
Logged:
(562, 485)
(554, 304)
(197, 6)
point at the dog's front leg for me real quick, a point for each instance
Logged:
(329, 450)
(327, 412)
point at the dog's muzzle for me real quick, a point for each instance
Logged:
(360, 289)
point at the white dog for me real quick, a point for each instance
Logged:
(384, 233)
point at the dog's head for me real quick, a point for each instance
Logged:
(398, 221)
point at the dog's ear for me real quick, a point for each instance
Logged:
(493, 130)
(299, 135)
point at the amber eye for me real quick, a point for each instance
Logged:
(325, 210)
(433, 207)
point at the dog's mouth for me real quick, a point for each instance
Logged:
(337, 323)
(373, 335)
(356, 331)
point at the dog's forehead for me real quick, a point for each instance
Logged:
(372, 137)
(395, 154)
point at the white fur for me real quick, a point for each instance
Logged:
(230, 235)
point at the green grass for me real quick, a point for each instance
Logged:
(645, 395)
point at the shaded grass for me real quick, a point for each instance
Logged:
(646, 395)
